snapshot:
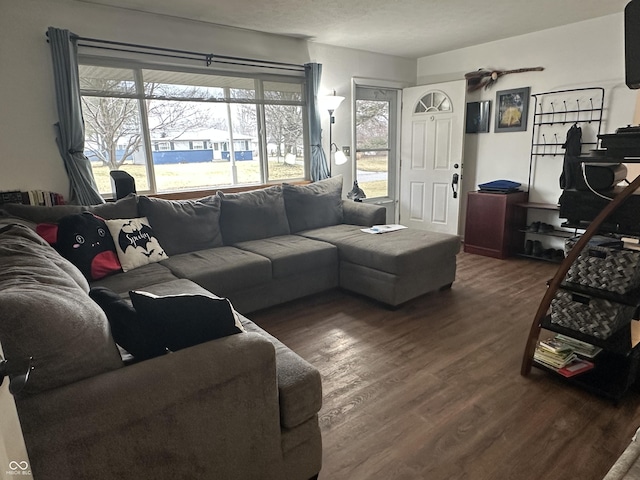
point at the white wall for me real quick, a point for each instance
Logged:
(584, 54)
(28, 152)
(339, 66)
(12, 447)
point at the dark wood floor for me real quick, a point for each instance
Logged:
(433, 391)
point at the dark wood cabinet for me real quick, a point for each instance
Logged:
(494, 222)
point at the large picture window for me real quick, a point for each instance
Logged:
(176, 130)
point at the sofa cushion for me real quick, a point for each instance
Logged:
(127, 329)
(183, 225)
(292, 254)
(252, 215)
(315, 205)
(221, 270)
(396, 252)
(299, 382)
(136, 243)
(47, 315)
(136, 279)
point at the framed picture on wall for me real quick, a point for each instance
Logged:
(512, 109)
(478, 114)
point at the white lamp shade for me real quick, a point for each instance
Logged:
(331, 102)
(340, 158)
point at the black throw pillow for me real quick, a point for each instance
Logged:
(85, 241)
(126, 328)
(181, 321)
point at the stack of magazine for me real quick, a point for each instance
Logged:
(565, 355)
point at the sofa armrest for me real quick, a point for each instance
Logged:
(365, 214)
(208, 411)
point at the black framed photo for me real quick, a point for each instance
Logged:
(478, 114)
(512, 109)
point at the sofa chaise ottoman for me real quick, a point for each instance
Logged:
(392, 267)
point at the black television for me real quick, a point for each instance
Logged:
(632, 43)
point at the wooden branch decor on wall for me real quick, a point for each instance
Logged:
(486, 78)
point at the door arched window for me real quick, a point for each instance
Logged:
(432, 102)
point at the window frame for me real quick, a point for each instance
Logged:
(259, 79)
(365, 92)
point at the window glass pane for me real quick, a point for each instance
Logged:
(372, 124)
(283, 91)
(245, 144)
(168, 90)
(433, 102)
(372, 136)
(373, 173)
(113, 140)
(106, 80)
(442, 102)
(285, 141)
(160, 83)
(178, 133)
(189, 116)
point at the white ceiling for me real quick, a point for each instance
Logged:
(407, 28)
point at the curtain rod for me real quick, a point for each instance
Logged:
(208, 58)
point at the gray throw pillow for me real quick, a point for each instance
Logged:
(126, 207)
(253, 215)
(315, 205)
(183, 225)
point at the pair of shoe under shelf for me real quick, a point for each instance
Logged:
(534, 248)
(540, 227)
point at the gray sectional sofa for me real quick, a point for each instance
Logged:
(239, 407)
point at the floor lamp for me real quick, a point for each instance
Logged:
(331, 103)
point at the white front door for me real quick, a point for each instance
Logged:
(431, 156)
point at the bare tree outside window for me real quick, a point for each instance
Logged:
(204, 129)
(372, 124)
(372, 147)
(113, 127)
(285, 135)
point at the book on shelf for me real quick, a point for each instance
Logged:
(552, 359)
(583, 349)
(574, 368)
(555, 345)
(11, 197)
(565, 355)
(32, 197)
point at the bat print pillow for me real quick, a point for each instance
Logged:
(136, 245)
(84, 240)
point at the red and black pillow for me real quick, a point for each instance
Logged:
(85, 241)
